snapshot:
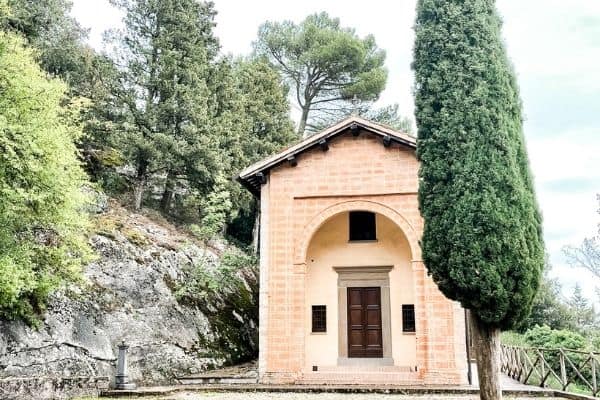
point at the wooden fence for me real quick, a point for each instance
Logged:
(568, 370)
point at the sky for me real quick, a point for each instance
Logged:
(555, 48)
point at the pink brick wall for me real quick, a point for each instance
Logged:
(356, 173)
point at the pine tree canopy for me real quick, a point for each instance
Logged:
(482, 241)
(325, 64)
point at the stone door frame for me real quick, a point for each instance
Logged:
(364, 276)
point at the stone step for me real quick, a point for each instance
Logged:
(225, 376)
(216, 380)
(359, 378)
(372, 368)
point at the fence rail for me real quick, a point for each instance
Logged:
(568, 370)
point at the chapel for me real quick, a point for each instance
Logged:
(344, 295)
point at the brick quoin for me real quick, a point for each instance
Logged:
(355, 173)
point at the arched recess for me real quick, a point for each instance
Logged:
(303, 240)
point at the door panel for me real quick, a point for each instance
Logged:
(372, 296)
(373, 317)
(364, 322)
(355, 296)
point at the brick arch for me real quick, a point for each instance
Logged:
(303, 240)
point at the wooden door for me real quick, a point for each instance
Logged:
(364, 322)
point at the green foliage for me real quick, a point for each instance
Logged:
(546, 337)
(240, 229)
(164, 94)
(172, 115)
(390, 116)
(325, 64)
(182, 118)
(41, 212)
(227, 293)
(512, 338)
(249, 122)
(267, 126)
(215, 209)
(135, 237)
(58, 38)
(61, 51)
(586, 318)
(542, 336)
(595, 340)
(5, 13)
(549, 308)
(256, 125)
(482, 239)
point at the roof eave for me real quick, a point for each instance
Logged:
(313, 141)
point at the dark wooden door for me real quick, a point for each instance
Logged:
(364, 322)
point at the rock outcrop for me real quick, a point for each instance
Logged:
(129, 294)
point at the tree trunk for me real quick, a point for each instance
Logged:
(486, 343)
(138, 192)
(256, 233)
(167, 196)
(303, 119)
(139, 185)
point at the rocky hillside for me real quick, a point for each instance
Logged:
(183, 307)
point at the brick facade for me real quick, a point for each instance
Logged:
(355, 173)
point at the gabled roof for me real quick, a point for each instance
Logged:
(251, 176)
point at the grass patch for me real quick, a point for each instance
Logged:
(135, 237)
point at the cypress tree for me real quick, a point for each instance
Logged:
(482, 239)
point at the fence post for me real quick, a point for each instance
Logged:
(563, 370)
(542, 367)
(519, 364)
(594, 380)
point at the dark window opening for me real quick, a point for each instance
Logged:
(408, 318)
(362, 226)
(319, 319)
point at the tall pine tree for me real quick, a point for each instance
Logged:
(167, 50)
(482, 240)
(326, 65)
(266, 128)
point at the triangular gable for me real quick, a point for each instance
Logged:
(252, 176)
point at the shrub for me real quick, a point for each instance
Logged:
(42, 218)
(544, 336)
(227, 294)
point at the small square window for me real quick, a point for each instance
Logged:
(319, 319)
(408, 318)
(362, 226)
